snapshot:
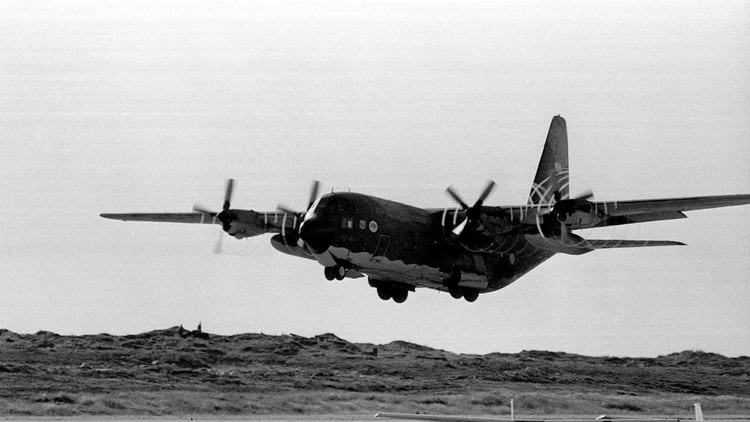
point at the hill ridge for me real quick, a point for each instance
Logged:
(139, 370)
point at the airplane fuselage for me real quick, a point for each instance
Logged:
(406, 246)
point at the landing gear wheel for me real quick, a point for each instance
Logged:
(400, 295)
(329, 273)
(456, 293)
(471, 295)
(384, 293)
(339, 272)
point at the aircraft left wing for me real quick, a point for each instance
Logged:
(584, 214)
(618, 208)
(165, 217)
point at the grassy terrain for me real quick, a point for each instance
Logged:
(166, 372)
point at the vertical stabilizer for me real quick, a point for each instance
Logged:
(552, 173)
(698, 412)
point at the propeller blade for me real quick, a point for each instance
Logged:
(563, 233)
(456, 198)
(313, 193)
(203, 210)
(476, 211)
(460, 228)
(286, 209)
(487, 191)
(586, 195)
(219, 244)
(228, 194)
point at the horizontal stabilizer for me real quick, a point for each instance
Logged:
(620, 243)
(188, 217)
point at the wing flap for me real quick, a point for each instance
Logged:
(165, 217)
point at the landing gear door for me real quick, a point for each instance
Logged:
(384, 241)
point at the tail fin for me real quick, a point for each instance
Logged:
(698, 412)
(552, 173)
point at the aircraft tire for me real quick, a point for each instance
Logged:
(400, 295)
(456, 293)
(339, 272)
(384, 293)
(471, 295)
(329, 273)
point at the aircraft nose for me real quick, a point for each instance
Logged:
(316, 233)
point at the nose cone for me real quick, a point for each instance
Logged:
(316, 233)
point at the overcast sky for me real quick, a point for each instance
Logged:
(129, 106)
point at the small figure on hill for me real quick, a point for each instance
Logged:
(199, 328)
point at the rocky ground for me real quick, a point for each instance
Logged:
(173, 372)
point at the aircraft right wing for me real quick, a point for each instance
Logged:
(165, 217)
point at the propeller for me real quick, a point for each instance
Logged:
(313, 197)
(563, 208)
(288, 210)
(225, 217)
(473, 213)
(566, 207)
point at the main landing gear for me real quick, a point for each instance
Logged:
(388, 290)
(398, 295)
(470, 295)
(337, 272)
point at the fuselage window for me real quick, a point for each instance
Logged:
(350, 224)
(343, 222)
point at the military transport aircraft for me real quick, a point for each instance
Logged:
(466, 250)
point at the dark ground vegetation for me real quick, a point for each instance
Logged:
(166, 372)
